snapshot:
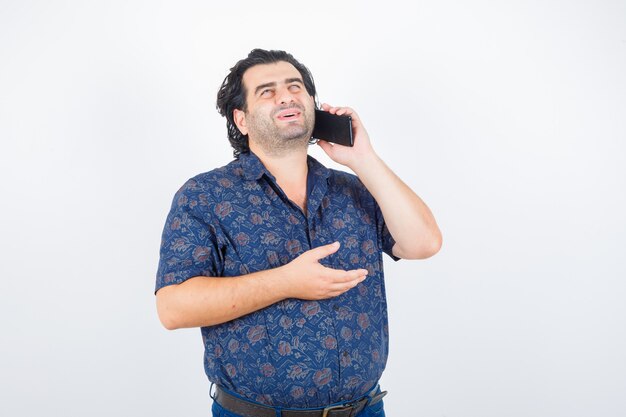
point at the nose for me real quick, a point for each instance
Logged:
(284, 96)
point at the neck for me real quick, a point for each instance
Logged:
(289, 168)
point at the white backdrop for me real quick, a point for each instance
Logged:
(507, 118)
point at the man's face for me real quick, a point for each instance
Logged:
(280, 112)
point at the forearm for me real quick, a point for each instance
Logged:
(207, 301)
(408, 219)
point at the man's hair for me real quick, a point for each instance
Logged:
(232, 93)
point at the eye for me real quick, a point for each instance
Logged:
(294, 88)
(267, 92)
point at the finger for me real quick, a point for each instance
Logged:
(340, 276)
(344, 110)
(332, 110)
(347, 111)
(326, 146)
(327, 107)
(323, 251)
(352, 282)
(346, 286)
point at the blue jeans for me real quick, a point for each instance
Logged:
(374, 410)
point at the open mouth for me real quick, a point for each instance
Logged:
(289, 114)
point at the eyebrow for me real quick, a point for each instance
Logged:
(273, 84)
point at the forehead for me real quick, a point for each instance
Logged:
(268, 73)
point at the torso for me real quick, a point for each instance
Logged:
(293, 353)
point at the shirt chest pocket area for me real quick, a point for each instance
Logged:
(356, 231)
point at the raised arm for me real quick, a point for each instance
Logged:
(408, 219)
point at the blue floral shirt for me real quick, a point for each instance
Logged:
(236, 220)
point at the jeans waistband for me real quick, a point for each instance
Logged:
(244, 407)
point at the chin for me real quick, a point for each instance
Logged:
(297, 134)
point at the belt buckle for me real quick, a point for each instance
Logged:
(336, 407)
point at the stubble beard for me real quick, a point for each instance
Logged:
(278, 140)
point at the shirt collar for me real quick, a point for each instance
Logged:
(317, 185)
(253, 168)
(316, 169)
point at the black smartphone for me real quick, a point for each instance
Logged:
(333, 128)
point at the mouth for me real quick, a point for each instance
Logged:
(288, 115)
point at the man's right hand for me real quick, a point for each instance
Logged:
(307, 279)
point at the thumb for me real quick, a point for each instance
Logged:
(323, 251)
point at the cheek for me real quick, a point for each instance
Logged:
(253, 116)
(258, 119)
(260, 111)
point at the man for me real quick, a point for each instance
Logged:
(279, 259)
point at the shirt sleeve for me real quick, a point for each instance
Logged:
(386, 239)
(189, 244)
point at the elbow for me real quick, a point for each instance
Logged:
(433, 245)
(426, 251)
(436, 244)
(167, 316)
(168, 323)
(423, 250)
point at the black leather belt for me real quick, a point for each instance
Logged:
(250, 409)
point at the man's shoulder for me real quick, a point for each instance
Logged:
(342, 177)
(211, 182)
(231, 171)
(334, 176)
(344, 185)
(345, 180)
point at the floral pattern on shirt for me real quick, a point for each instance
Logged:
(236, 220)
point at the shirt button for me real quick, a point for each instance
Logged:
(345, 353)
(336, 307)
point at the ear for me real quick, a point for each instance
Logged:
(240, 120)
